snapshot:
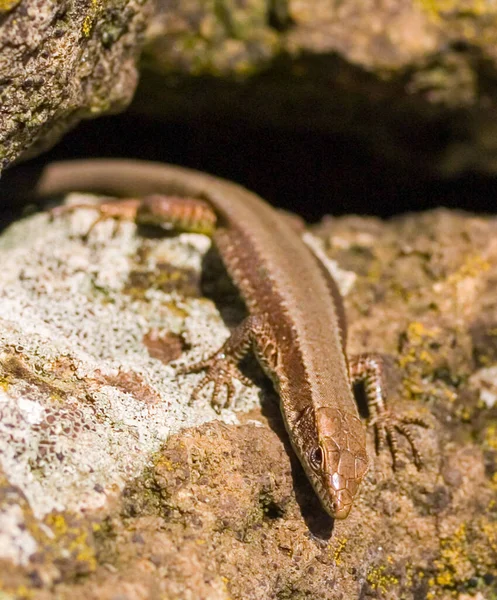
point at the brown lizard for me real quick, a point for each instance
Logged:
(296, 324)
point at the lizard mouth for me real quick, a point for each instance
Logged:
(339, 502)
(336, 502)
(341, 505)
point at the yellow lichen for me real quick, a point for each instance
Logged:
(378, 579)
(57, 523)
(24, 593)
(431, 595)
(341, 543)
(164, 463)
(375, 272)
(89, 20)
(417, 331)
(6, 5)
(73, 539)
(491, 436)
(417, 335)
(453, 558)
(490, 531)
(437, 8)
(472, 267)
(445, 578)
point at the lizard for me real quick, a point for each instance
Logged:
(296, 322)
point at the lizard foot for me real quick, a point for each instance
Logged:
(388, 425)
(117, 210)
(220, 370)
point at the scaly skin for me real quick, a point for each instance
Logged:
(296, 325)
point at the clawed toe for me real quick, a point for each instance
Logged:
(221, 368)
(219, 371)
(388, 426)
(193, 368)
(118, 211)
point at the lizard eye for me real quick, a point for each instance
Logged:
(316, 458)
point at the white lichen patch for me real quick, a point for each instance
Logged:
(485, 380)
(83, 405)
(16, 543)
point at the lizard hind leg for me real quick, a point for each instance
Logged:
(171, 212)
(369, 369)
(178, 213)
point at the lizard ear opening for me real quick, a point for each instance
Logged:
(316, 458)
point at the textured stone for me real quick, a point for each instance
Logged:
(414, 80)
(61, 62)
(115, 486)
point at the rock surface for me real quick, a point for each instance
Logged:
(114, 486)
(414, 80)
(61, 62)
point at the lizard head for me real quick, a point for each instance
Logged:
(334, 457)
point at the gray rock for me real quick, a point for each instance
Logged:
(61, 62)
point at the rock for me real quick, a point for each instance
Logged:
(115, 486)
(411, 81)
(61, 62)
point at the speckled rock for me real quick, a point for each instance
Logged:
(61, 62)
(114, 485)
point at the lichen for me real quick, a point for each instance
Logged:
(379, 579)
(441, 7)
(79, 386)
(125, 489)
(91, 17)
(7, 5)
(341, 543)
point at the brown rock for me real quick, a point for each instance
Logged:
(413, 79)
(97, 502)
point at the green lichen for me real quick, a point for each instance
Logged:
(229, 39)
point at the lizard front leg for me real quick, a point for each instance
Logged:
(194, 216)
(221, 368)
